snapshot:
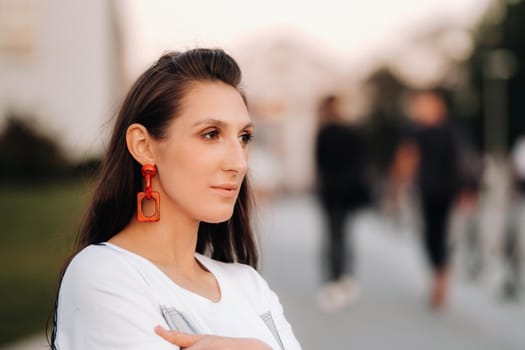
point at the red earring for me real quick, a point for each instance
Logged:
(148, 171)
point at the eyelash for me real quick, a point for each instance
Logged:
(211, 135)
(247, 137)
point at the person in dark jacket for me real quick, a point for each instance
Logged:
(340, 164)
(438, 179)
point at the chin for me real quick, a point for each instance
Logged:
(217, 216)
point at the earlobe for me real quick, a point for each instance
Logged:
(139, 145)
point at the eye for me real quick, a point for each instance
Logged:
(211, 135)
(246, 137)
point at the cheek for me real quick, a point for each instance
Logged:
(184, 177)
(185, 182)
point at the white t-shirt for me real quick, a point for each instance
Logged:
(111, 298)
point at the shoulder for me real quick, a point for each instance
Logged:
(103, 299)
(96, 258)
(100, 266)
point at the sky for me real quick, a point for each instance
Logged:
(349, 30)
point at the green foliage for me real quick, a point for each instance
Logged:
(387, 120)
(26, 154)
(387, 90)
(504, 35)
(39, 223)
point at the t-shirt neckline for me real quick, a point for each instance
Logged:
(200, 258)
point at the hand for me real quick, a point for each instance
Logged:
(205, 342)
(467, 201)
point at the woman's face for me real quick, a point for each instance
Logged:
(203, 159)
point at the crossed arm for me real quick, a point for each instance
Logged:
(205, 342)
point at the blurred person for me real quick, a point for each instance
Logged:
(398, 190)
(340, 163)
(471, 171)
(265, 170)
(172, 264)
(514, 242)
(438, 181)
(265, 174)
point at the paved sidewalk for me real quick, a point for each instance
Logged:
(392, 312)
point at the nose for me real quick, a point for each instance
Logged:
(236, 158)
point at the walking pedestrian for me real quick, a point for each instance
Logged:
(438, 180)
(340, 163)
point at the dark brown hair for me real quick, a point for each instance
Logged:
(153, 101)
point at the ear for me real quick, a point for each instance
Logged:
(139, 144)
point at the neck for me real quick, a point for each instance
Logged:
(171, 241)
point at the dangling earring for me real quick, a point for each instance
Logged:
(148, 171)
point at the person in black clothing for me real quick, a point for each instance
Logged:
(514, 238)
(438, 179)
(340, 161)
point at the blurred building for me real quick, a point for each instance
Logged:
(60, 67)
(285, 77)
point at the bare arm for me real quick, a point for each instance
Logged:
(205, 342)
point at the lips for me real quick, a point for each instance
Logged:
(227, 190)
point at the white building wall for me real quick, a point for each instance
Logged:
(67, 76)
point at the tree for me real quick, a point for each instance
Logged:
(499, 56)
(28, 155)
(386, 120)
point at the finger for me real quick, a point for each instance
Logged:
(183, 340)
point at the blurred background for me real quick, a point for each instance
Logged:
(65, 66)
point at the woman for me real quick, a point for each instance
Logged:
(166, 256)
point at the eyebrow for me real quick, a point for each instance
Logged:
(218, 123)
